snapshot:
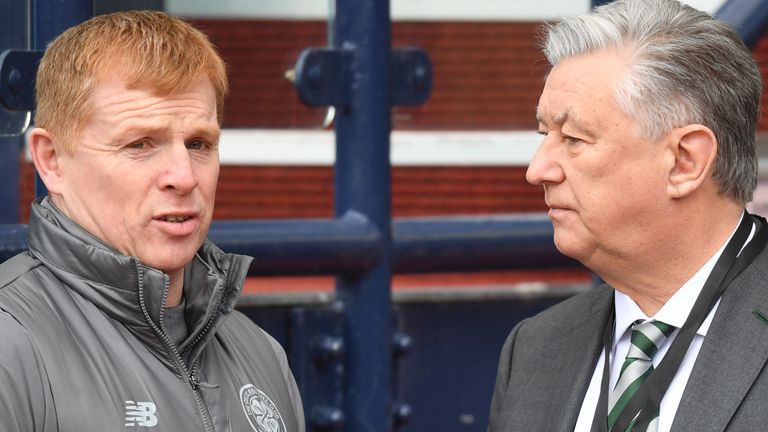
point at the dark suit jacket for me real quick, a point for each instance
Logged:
(548, 360)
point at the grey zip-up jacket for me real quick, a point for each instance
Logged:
(84, 347)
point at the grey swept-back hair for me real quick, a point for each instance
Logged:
(685, 67)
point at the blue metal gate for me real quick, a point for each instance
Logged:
(362, 364)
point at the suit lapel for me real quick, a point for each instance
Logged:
(579, 350)
(731, 357)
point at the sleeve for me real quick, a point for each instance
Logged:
(293, 388)
(26, 404)
(502, 381)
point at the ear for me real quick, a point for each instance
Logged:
(694, 148)
(45, 154)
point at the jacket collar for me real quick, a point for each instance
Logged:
(129, 291)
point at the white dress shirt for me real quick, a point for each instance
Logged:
(674, 312)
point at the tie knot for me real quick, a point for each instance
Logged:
(647, 338)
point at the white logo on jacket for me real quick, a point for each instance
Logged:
(262, 413)
(140, 414)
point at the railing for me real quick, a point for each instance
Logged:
(362, 77)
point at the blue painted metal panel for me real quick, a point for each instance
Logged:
(448, 375)
(317, 347)
(748, 17)
(432, 376)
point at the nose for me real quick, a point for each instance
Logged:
(544, 167)
(179, 175)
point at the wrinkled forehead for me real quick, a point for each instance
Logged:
(579, 88)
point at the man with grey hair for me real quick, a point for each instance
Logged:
(648, 157)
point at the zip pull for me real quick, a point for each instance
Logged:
(196, 384)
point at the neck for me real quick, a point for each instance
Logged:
(650, 277)
(175, 288)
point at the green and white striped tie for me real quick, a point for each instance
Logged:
(645, 340)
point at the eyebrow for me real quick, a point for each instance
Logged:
(213, 133)
(141, 129)
(562, 117)
(559, 119)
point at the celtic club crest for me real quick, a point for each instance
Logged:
(261, 411)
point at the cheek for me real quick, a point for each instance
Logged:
(208, 177)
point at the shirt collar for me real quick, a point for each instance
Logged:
(676, 310)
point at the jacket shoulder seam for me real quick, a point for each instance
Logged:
(16, 267)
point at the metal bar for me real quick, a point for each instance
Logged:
(362, 183)
(748, 17)
(349, 245)
(14, 34)
(456, 244)
(308, 246)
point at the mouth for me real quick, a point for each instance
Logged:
(177, 223)
(555, 211)
(174, 218)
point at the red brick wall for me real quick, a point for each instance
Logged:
(486, 76)
(282, 192)
(294, 192)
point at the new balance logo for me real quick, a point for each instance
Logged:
(140, 414)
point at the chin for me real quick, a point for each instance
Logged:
(580, 250)
(170, 264)
(170, 256)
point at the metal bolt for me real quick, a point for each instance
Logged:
(420, 76)
(290, 75)
(326, 349)
(401, 413)
(327, 418)
(401, 343)
(15, 83)
(315, 76)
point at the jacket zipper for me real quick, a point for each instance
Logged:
(191, 378)
(200, 336)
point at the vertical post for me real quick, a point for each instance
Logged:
(13, 35)
(49, 18)
(10, 154)
(362, 183)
